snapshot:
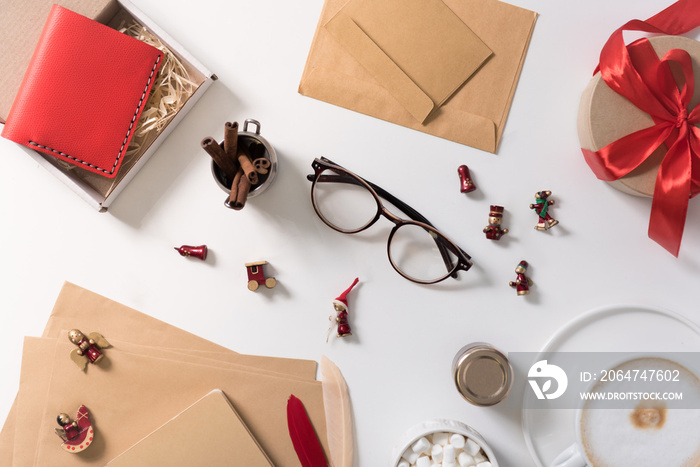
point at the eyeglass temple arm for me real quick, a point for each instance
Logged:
(405, 208)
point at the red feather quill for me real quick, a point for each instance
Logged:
(304, 438)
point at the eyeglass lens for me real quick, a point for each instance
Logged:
(344, 206)
(349, 207)
(413, 251)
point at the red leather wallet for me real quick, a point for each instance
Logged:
(83, 93)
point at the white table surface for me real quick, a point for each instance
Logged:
(397, 363)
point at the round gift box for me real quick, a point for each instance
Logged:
(429, 427)
(605, 116)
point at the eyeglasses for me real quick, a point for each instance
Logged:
(349, 204)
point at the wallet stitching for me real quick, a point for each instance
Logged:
(128, 132)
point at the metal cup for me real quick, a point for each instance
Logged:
(267, 151)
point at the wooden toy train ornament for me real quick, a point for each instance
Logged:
(256, 276)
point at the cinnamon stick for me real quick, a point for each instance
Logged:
(247, 165)
(231, 139)
(221, 159)
(261, 165)
(243, 188)
(234, 187)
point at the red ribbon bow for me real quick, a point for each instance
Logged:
(635, 72)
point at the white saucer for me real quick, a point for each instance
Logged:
(616, 328)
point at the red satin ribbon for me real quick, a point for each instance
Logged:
(636, 72)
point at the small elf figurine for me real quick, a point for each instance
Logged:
(522, 283)
(76, 435)
(89, 348)
(340, 304)
(541, 207)
(494, 231)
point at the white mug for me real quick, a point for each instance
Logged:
(436, 426)
(575, 454)
(637, 436)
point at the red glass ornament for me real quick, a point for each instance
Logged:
(466, 183)
(199, 252)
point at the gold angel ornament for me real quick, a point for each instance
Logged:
(89, 349)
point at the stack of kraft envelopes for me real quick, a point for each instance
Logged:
(152, 374)
(444, 67)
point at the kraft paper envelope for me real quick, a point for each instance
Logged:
(426, 54)
(31, 412)
(474, 115)
(209, 429)
(82, 309)
(135, 394)
(7, 435)
(29, 404)
(35, 379)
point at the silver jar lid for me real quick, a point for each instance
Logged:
(483, 375)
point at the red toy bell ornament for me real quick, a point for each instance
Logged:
(199, 252)
(466, 184)
(340, 304)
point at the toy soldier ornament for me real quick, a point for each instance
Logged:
(340, 304)
(76, 435)
(522, 283)
(494, 231)
(541, 207)
(89, 348)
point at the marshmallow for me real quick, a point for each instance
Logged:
(480, 457)
(465, 460)
(484, 464)
(423, 461)
(448, 464)
(421, 446)
(410, 456)
(440, 438)
(448, 454)
(471, 447)
(457, 440)
(436, 452)
(403, 463)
